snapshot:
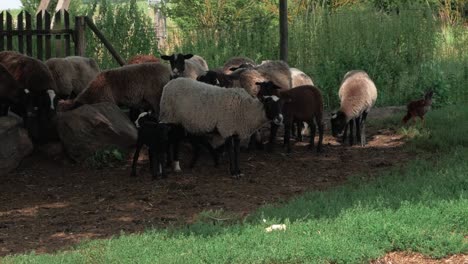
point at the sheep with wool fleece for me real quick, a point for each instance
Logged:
(358, 95)
(203, 108)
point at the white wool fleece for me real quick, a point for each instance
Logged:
(201, 108)
(357, 94)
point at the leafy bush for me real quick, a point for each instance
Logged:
(105, 158)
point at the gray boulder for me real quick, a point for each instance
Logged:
(90, 128)
(14, 143)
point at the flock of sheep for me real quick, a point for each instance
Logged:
(218, 109)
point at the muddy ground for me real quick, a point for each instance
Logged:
(48, 205)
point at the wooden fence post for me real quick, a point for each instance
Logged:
(106, 43)
(283, 10)
(80, 41)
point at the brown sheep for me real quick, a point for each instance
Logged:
(9, 91)
(72, 74)
(358, 95)
(235, 62)
(302, 103)
(135, 86)
(30, 73)
(138, 59)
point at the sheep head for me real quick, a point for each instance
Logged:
(267, 89)
(338, 123)
(177, 62)
(216, 78)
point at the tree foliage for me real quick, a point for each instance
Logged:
(32, 5)
(125, 25)
(213, 13)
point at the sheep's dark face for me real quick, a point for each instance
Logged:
(267, 89)
(242, 66)
(338, 123)
(177, 62)
(210, 77)
(273, 106)
(37, 111)
(215, 78)
(269, 95)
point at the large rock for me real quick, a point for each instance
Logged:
(14, 143)
(91, 128)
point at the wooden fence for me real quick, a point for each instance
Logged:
(42, 39)
(36, 38)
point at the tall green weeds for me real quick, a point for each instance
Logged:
(405, 53)
(126, 25)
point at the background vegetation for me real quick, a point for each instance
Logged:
(406, 46)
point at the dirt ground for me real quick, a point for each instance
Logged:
(48, 205)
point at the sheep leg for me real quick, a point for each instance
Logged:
(236, 140)
(196, 152)
(351, 132)
(345, 132)
(212, 151)
(175, 164)
(160, 164)
(150, 157)
(231, 156)
(312, 134)
(135, 159)
(358, 129)
(271, 143)
(287, 135)
(320, 140)
(294, 130)
(4, 108)
(168, 155)
(300, 126)
(363, 129)
(154, 164)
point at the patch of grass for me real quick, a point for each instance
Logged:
(106, 158)
(421, 207)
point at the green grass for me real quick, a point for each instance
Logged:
(421, 207)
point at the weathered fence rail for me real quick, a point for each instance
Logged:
(43, 39)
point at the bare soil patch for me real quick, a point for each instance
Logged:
(416, 258)
(48, 205)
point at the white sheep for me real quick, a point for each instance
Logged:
(232, 114)
(358, 95)
(299, 78)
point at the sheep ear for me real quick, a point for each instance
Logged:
(166, 57)
(234, 68)
(188, 56)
